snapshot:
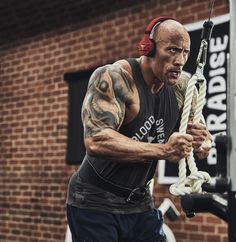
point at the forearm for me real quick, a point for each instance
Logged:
(204, 149)
(111, 144)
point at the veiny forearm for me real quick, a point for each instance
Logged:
(111, 144)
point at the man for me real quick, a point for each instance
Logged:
(130, 112)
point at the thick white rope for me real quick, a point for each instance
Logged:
(192, 183)
(197, 178)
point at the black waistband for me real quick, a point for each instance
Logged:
(89, 174)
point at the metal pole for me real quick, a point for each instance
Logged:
(231, 126)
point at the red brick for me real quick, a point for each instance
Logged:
(33, 120)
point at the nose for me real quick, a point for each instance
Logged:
(180, 59)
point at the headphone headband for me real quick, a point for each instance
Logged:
(155, 21)
(147, 46)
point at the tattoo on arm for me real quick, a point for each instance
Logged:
(104, 103)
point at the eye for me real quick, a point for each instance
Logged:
(173, 50)
(186, 52)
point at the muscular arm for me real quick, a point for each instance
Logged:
(103, 112)
(104, 103)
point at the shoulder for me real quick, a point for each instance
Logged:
(180, 90)
(118, 69)
(182, 83)
(112, 78)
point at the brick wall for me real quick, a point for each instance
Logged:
(39, 42)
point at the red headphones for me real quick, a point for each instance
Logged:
(147, 46)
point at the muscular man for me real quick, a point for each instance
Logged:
(130, 112)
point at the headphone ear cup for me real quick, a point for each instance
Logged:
(146, 46)
(153, 49)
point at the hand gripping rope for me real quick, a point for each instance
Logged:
(193, 183)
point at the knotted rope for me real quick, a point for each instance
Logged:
(192, 183)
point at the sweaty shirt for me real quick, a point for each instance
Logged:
(156, 120)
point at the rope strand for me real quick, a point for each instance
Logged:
(192, 183)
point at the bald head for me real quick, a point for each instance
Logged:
(170, 28)
(172, 50)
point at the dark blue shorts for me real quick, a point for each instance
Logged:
(94, 226)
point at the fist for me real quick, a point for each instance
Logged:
(202, 139)
(178, 146)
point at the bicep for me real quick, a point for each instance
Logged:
(104, 103)
(98, 114)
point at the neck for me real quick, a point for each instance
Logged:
(155, 88)
(153, 83)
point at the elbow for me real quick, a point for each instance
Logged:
(91, 146)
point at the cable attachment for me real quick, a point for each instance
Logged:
(208, 25)
(201, 58)
(205, 38)
(193, 182)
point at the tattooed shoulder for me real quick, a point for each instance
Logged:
(111, 77)
(182, 83)
(104, 103)
(180, 90)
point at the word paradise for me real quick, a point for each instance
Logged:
(216, 90)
